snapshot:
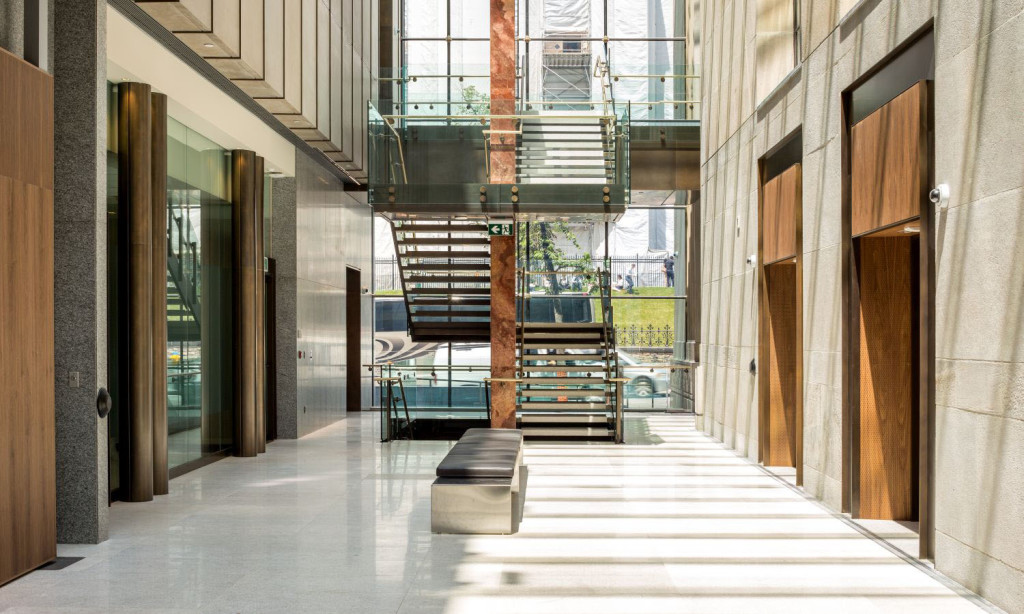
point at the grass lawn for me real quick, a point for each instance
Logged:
(628, 310)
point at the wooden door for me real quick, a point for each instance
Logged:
(781, 321)
(353, 340)
(781, 434)
(28, 519)
(887, 269)
(889, 169)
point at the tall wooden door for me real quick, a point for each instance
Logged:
(353, 339)
(889, 163)
(781, 322)
(28, 519)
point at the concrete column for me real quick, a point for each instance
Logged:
(80, 267)
(503, 90)
(503, 331)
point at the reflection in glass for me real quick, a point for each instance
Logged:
(200, 357)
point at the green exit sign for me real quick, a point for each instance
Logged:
(499, 229)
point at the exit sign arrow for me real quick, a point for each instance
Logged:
(501, 229)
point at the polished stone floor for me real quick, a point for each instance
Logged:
(336, 522)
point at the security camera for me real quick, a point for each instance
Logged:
(752, 259)
(939, 195)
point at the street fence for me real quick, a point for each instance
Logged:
(649, 271)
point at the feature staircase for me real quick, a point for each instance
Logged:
(445, 269)
(567, 374)
(568, 147)
(183, 317)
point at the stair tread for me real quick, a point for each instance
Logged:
(439, 255)
(443, 240)
(566, 406)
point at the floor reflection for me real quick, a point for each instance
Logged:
(337, 522)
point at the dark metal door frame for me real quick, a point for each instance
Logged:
(270, 352)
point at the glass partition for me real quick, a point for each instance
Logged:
(200, 349)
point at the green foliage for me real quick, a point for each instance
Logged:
(538, 246)
(477, 102)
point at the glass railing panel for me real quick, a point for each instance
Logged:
(564, 157)
(656, 92)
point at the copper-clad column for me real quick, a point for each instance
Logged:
(158, 173)
(261, 423)
(503, 331)
(503, 249)
(243, 206)
(503, 90)
(135, 211)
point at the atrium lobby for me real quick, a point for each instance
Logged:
(512, 306)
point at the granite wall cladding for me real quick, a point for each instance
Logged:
(330, 230)
(12, 31)
(979, 246)
(283, 252)
(80, 223)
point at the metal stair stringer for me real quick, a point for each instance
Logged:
(445, 269)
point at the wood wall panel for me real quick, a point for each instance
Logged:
(26, 125)
(888, 377)
(311, 63)
(307, 118)
(28, 520)
(782, 198)
(780, 439)
(181, 15)
(888, 157)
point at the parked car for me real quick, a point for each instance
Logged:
(643, 381)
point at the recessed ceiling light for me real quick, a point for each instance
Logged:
(208, 45)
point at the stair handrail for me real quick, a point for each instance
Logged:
(188, 285)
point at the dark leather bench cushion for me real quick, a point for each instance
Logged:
(479, 464)
(483, 453)
(502, 434)
(486, 444)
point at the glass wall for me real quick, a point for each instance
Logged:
(645, 252)
(200, 353)
(445, 56)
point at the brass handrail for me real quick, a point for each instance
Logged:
(491, 116)
(398, 141)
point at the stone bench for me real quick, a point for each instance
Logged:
(480, 484)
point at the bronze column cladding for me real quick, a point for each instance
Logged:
(135, 195)
(158, 174)
(259, 280)
(243, 206)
